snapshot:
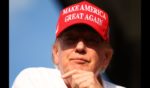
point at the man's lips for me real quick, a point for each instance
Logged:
(79, 60)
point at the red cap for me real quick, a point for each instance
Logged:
(84, 13)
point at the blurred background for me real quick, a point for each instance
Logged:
(32, 25)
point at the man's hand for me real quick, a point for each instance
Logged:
(82, 79)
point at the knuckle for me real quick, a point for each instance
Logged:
(73, 77)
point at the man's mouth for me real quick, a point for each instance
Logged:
(79, 60)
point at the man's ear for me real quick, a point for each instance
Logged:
(55, 53)
(108, 53)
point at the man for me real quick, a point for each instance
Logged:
(81, 52)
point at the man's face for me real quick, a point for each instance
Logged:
(80, 48)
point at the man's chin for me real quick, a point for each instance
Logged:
(77, 67)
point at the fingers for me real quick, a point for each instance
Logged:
(69, 74)
(76, 76)
(82, 79)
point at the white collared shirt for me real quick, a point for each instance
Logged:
(41, 77)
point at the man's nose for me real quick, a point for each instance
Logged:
(80, 47)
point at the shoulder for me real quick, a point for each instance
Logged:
(111, 85)
(38, 71)
(35, 77)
